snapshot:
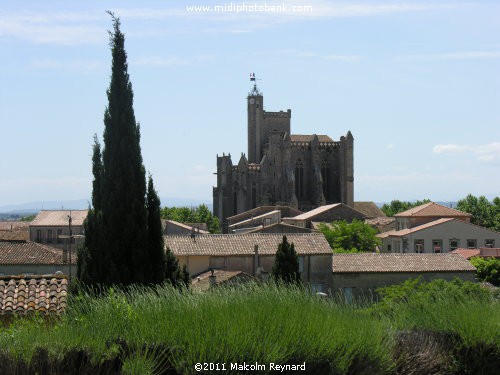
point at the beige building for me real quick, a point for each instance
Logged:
(50, 225)
(439, 236)
(426, 213)
(174, 227)
(253, 254)
(357, 275)
(31, 258)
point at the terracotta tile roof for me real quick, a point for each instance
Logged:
(270, 214)
(481, 252)
(14, 235)
(222, 277)
(396, 262)
(243, 244)
(466, 253)
(26, 252)
(45, 294)
(382, 223)
(15, 225)
(309, 137)
(59, 218)
(285, 211)
(370, 209)
(432, 209)
(283, 228)
(316, 211)
(165, 223)
(405, 232)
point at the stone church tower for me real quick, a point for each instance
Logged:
(301, 171)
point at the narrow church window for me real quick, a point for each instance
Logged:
(235, 203)
(299, 179)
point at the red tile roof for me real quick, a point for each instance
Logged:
(14, 235)
(243, 244)
(25, 252)
(481, 252)
(405, 232)
(59, 218)
(370, 209)
(14, 225)
(397, 262)
(432, 209)
(45, 294)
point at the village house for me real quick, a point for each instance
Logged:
(438, 236)
(53, 227)
(253, 254)
(360, 274)
(174, 227)
(32, 258)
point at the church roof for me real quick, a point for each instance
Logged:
(309, 137)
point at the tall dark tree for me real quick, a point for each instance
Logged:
(174, 274)
(155, 235)
(286, 263)
(89, 254)
(122, 241)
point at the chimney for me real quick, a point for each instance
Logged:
(255, 259)
(212, 280)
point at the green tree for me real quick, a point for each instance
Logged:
(155, 236)
(397, 206)
(350, 237)
(175, 275)
(121, 242)
(488, 269)
(200, 214)
(484, 212)
(286, 263)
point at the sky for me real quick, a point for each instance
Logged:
(416, 82)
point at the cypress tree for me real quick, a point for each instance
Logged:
(123, 243)
(155, 236)
(286, 263)
(88, 254)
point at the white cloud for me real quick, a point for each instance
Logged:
(327, 57)
(72, 28)
(488, 153)
(464, 55)
(158, 61)
(72, 65)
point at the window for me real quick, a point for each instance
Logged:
(489, 243)
(317, 288)
(49, 236)
(454, 244)
(254, 196)
(437, 246)
(405, 245)
(389, 247)
(419, 246)
(59, 234)
(38, 235)
(301, 264)
(471, 244)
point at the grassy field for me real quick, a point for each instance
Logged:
(151, 330)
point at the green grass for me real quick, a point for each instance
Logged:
(250, 323)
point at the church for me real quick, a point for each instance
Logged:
(300, 171)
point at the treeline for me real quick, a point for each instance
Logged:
(484, 212)
(200, 214)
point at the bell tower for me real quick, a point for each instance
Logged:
(255, 110)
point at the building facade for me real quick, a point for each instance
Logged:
(300, 171)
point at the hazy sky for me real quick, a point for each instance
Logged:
(416, 82)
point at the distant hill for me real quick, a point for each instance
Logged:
(17, 211)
